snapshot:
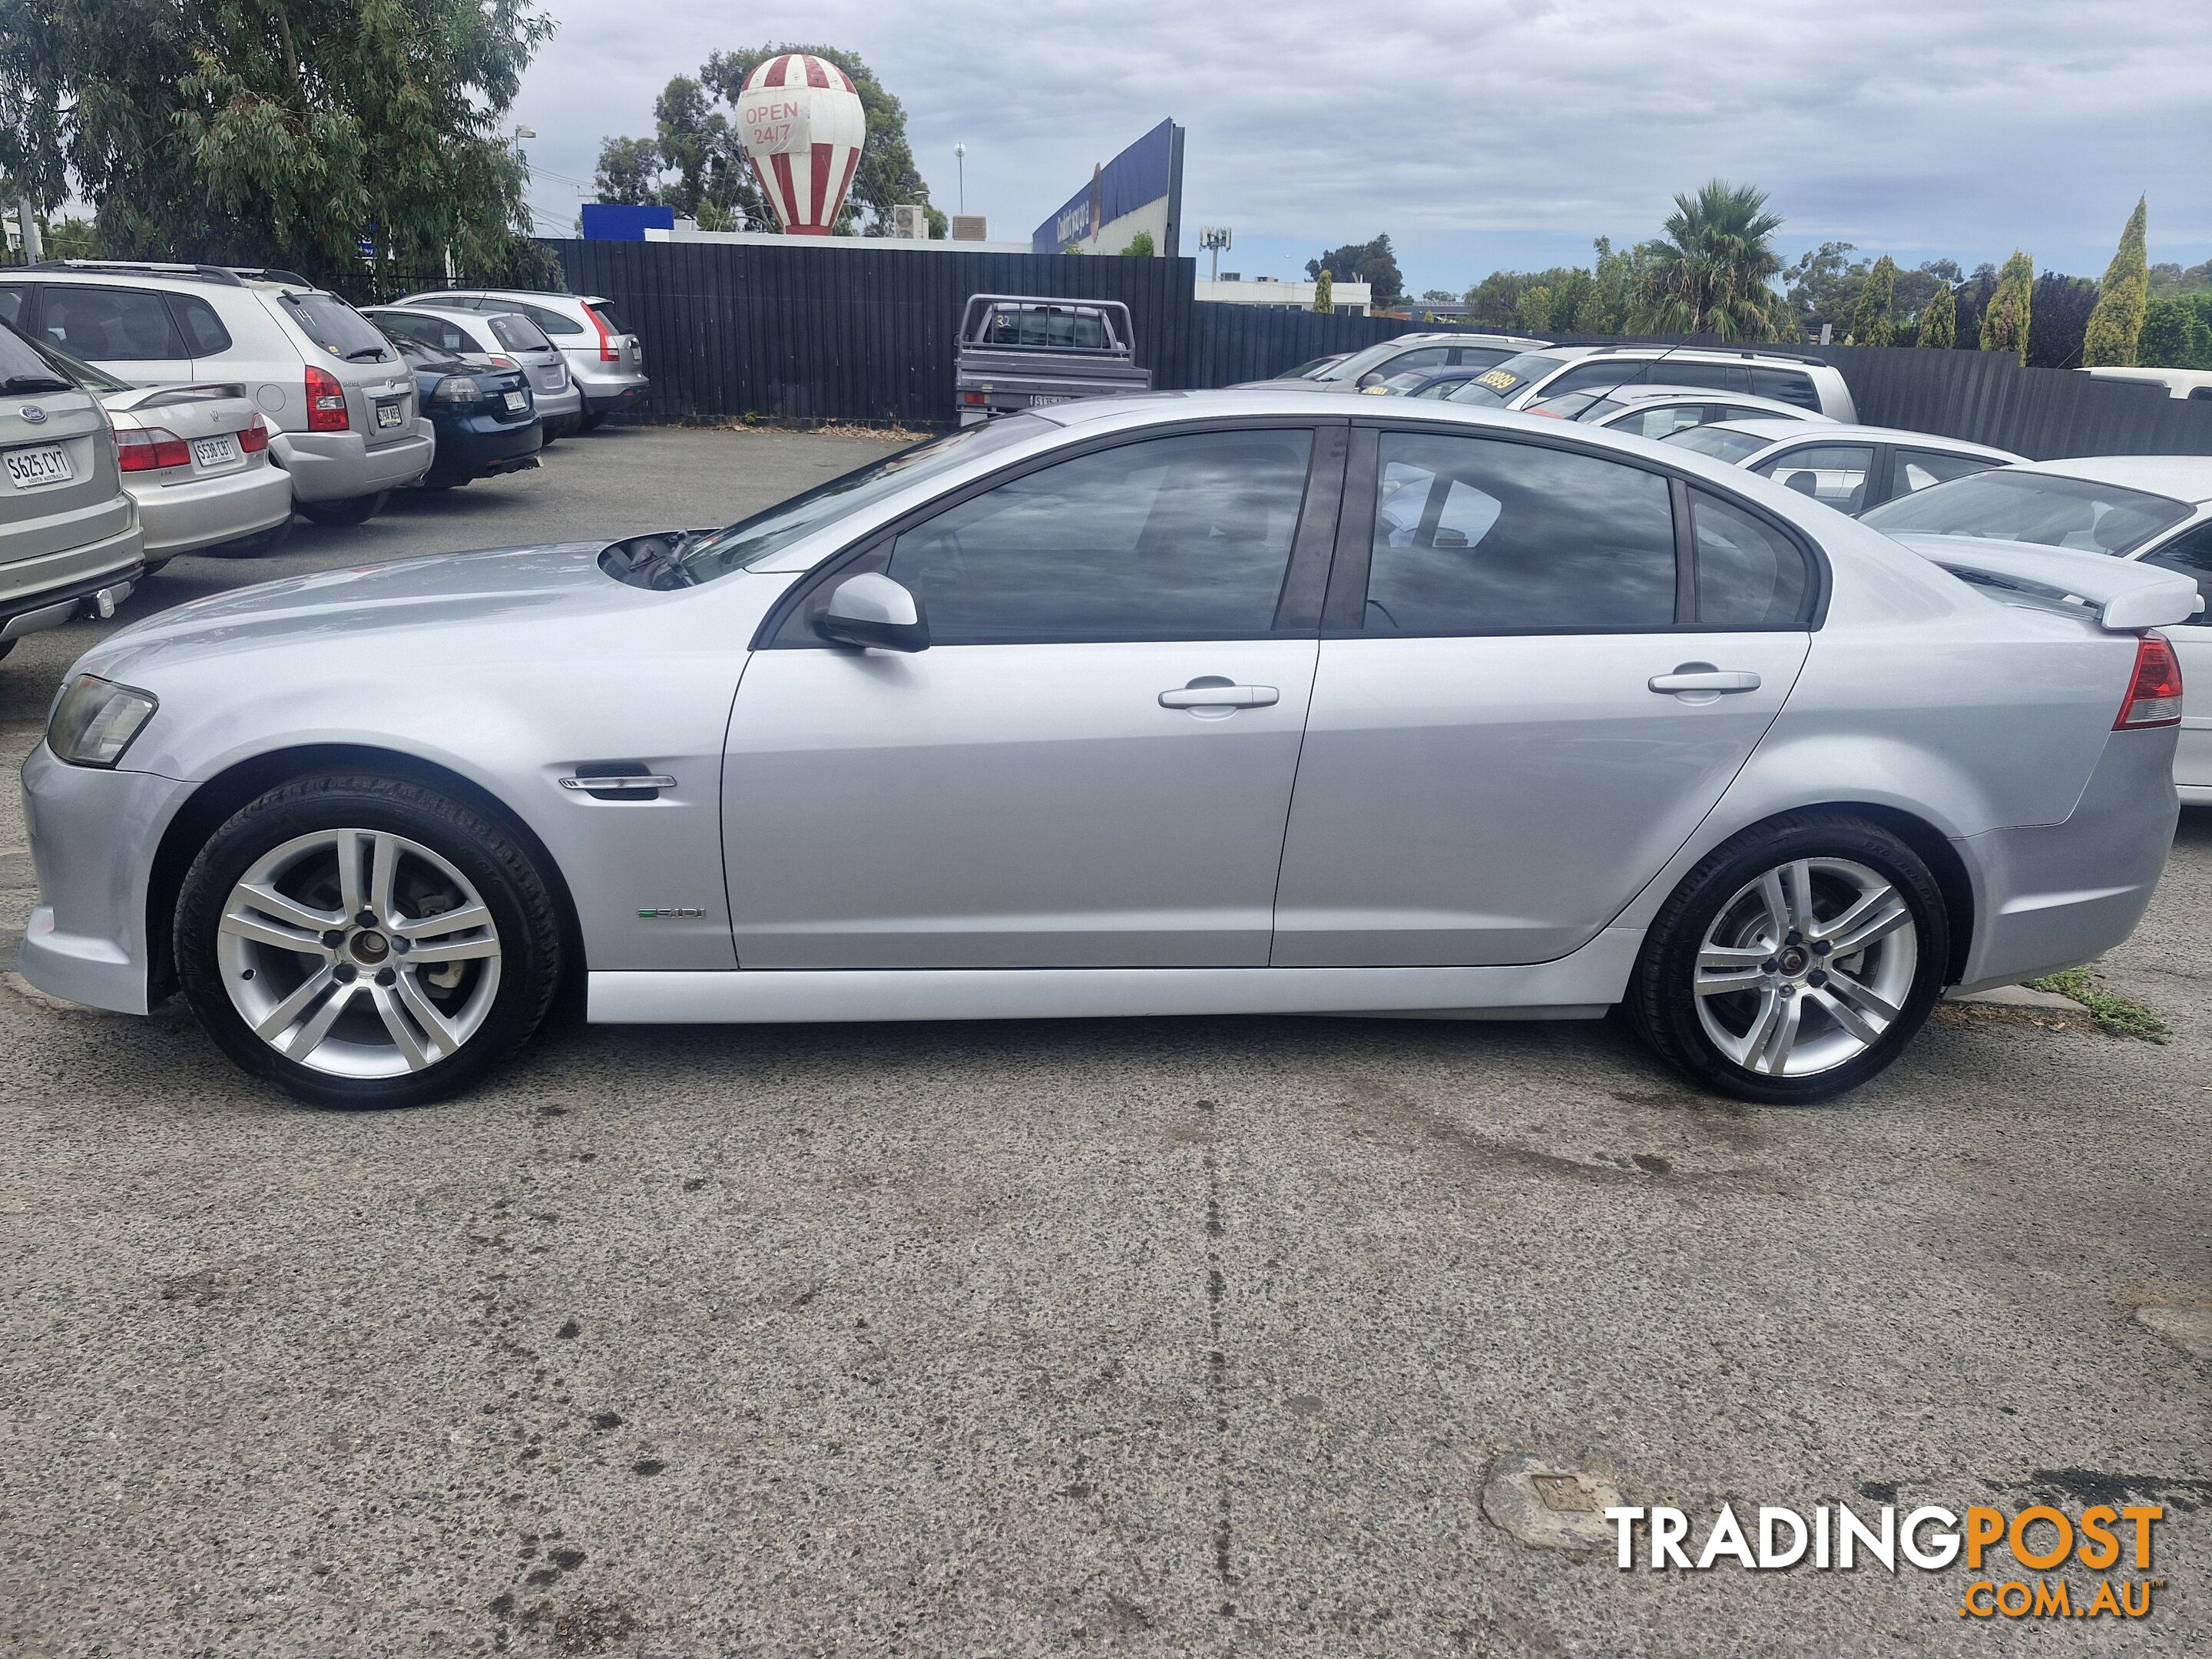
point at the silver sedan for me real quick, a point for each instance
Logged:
(1230, 703)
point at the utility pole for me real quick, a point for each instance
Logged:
(34, 250)
(960, 160)
(1213, 239)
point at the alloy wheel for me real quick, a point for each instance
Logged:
(1806, 967)
(359, 953)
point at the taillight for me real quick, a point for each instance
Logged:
(976, 398)
(2155, 693)
(607, 352)
(151, 450)
(326, 404)
(498, 361)
(254, 437)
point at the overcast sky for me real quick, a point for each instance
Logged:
(1489, 133)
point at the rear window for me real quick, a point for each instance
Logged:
(1046, 326)
(519, 333)
(2039, 507)
(1497, 384)
(1720, 445)
(337, 327)
(607, 314)
(553, 322)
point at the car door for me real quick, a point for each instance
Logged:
(1539, 667)
(1090, 765)
(127, 331)
(2190, 553)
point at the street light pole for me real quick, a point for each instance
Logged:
(960, 160)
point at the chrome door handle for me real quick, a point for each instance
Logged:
(1220, 697)
(1706, 679)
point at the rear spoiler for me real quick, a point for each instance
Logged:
(2125, 595)
(154, 397)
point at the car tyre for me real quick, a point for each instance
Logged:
(258, 545)
(354, 509)
(1744, 982)
(590, 420)
(447, 968)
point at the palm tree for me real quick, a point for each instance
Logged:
(1712, 273)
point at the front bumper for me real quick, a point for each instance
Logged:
(198, 513)
(336, 467)
(93, 834)
(2060, 895)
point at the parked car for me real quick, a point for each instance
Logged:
(2192, 383)
(606, 360)
(482, 414)
(1021, 352)
(1313, 366)
(504, 339)
(1426, 382)
(69, 539)
(1212, 702)
(1659, 411)
(341, 411)
(2154, 510)
(1852, 468)
(195, 458)
(1807, 382)
(1372, 366)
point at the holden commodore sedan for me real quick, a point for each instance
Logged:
(1229, 702)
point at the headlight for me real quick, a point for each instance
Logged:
(95, 720)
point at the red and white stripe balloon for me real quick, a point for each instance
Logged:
(803, 127)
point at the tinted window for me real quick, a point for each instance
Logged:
(1498, 383)
(1749, 574)
(25, 369)
(1917, 469)
(435, 331)
(1425, 357)
(337, 327)
(11, 306)
(1720, 444)
(1790, 386)
(2013, 505)
(2190, 554)
(608, 315)
(519, 333)
(1606, 373)
(553, 322)
(1834, 473)
(1474, 535)
(203, 330)
(111, 324)
(1483, 356)
(1647, 422)
(1030, 326)
(2201, 395)
(1173, 538)
(1718, 377)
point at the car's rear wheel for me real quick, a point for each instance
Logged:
(590, 420)
(354, 509)
(262, 541)
(366, 941)
(1795, 961)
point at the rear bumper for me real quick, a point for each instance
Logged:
(207, 512)
(608, 400)
(478, 446)
(335, 467)
(2061, 894)
(36, 593)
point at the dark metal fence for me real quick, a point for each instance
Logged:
(865, 334)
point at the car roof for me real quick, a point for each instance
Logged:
(1687, 353)
(183, 278)
(2184, 477)
(1832, 431)
(1705, 394)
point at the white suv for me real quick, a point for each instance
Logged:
(339, 402)
(1807, 382)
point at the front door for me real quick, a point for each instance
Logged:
(1525, 700)
(1089, 766)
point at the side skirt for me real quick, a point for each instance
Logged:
(1581, 986)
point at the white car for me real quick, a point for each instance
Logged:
(1852, 468)
(2195, 384)
(2155, 509)
(1760, 371)
(605, 358)
(505, 339)
(1369, 368)
(1660, 411)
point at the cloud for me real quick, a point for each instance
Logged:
(1498, 131)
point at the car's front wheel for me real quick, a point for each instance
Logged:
(354, 509)
(367, 941)
(1795, 961)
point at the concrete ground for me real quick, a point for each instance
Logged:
(1153, 1337)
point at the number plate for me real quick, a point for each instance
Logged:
(516, 400)
(219, 451)
(1039, 401)
(31, 469)
(390, 412)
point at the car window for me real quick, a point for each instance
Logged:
(1185, 538)
(110, 325)
(2192, 555)
(1749, 573)
(1717, 377)
(1483, 356)
(2011, 504)
(203, 332)
(1424, 357)
(11, 306)
(1834, 473)
(1438, 389)
(519, 333)
(25, 366)
(1478, 536)
(336, 326)
(1502, 380)
(1603, 374)
(1745, 412)
(1027, 326)
(1917, 469)
(608, 315)
(1719, 442)
(1647, 422)
(553, 322)
(1790, 386)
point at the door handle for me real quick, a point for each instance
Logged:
(1221, 695)
(1694, 677)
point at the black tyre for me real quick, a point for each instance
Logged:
(258, 545)
(354, 509)
(590, 420)
(1795, 961)
(366, 942)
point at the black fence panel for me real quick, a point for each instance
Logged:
(1237, 342)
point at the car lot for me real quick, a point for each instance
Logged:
(1158, 1336)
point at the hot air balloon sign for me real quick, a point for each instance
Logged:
(803, 128)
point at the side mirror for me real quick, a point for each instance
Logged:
(870, 609)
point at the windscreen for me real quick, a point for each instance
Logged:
(751, 540)
(1352, 367)
(50, 366)
(2008, 505)
(519, 333)
(1717, 442)
(1493, 386)
(337, 327)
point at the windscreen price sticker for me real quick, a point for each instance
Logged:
(2007, 1553)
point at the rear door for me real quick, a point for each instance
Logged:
(1519, 714)
(129, 331)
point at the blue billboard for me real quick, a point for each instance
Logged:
(1148, 175)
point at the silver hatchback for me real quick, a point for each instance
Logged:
(502, 338)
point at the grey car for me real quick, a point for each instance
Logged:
(1187, 703)
(504, 338)
(605, 359)
(1370, 366)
